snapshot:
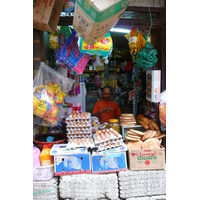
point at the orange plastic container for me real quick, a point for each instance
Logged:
(45, 157)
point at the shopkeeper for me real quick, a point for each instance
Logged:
(106, 108)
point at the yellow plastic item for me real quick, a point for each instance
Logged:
(45, 157)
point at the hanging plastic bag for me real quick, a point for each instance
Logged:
(64, 35)
(49, 91)
(102, 47)
(71, 55)
(162, 108)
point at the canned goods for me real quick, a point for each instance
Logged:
(114, 123)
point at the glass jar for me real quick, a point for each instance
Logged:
(114, 123)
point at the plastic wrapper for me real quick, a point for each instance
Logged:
(102, 47)
(71, 55)
(162, 109)
(49, 91)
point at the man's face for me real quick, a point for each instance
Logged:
(106, 94)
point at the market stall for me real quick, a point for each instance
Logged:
(82, 149)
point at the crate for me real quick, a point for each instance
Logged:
(137, 127)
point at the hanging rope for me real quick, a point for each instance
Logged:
(150, 17)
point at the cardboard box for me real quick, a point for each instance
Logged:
(67, 161)
(112, 160)
(38, 10)
(153, 79)
(93, 19)
(46, 14)
(51, 16)
(145, 159)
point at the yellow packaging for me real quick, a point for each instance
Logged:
(45, 157)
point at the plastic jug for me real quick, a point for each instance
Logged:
(45, 157)
(36, 156)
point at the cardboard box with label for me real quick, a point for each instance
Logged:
(112, 160)
(46, 14)
(67, 161)
(153, 80)
(145, 159)
(93, 19)
(38, 11)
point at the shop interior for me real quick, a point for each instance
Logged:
(118, 69)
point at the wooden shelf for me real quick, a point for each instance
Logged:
(92, 71)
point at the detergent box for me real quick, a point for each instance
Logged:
(111, 160)
(70, 161)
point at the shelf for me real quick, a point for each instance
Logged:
(92, 71)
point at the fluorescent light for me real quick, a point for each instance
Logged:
(120, 30)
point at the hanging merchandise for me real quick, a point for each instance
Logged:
(133, 40)
(147, 57)
(54, 39)
(71, 55)
(69, 6)
(64, 34)
(98, 64)
(102, 47)
(49, 90)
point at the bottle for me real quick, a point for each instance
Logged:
(114, 123)
(45, 157)
(36, 156)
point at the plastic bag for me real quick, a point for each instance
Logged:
(102, 47)
(162, 108)
(71, 55)
(49, 91)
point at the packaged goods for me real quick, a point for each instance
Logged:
(49, 90)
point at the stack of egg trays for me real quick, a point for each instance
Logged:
(89, 186)
(156, 197)
(142, 183)
(79, 127)
(112, 142)
(47, 190)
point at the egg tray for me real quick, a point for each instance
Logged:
(71, 144)
(142, 183)
(71, 129)
(73, 117)
(86, 135)
(111, 138)
(78, 124)
(156, 197)
(89, 186)
(102, 147)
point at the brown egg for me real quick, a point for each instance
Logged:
(70, 140)
(77, 112)
(118, 143)
(86, 114)
(107, 130)
(91, 140)
(105, 146)
(83, 140)
(79, 141)
(103, 137)
(107, 135)
(109, 145)
(113, 144)
(73, 112)
(78, 115)
(74, 116)
(98, 138)
(74, 124)
(111, 129)
(75, 140)
(78, 123)
(87, 140)
(82, 114)
(103, 131)
(81, 123)
(70, 116)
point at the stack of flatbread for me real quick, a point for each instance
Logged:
(127, 119)
(149, 139)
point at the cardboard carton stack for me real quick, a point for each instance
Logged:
(142, 183)
(46, 189)
(89, 186)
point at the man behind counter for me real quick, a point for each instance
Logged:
(106, 108)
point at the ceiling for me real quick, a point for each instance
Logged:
(133, 17)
